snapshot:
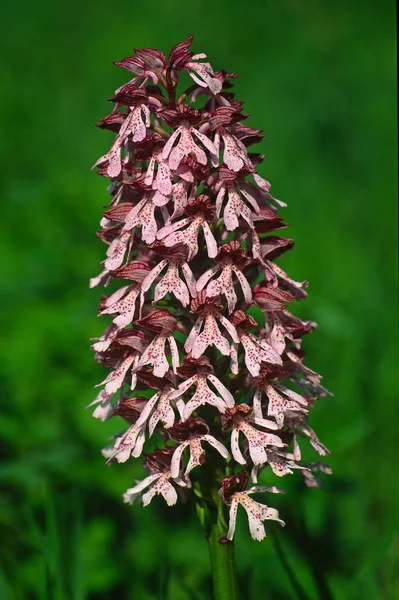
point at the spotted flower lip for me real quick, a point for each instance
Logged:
(162, 181)
(235, 493)
(203, 355)
(256, 512)
(202, 73)
(199, 212)
(171, 281)
(155, 355)
(257, 440)
(230, 258)
(158, 483)
(187, 138)
(278, 404)
(197, 454)
(235, 155)
(205, 331)
(191, 434)
(203, 394)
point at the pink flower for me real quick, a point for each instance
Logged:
(257, 440)
(297, 423)
(231, 258)
(203, 394)
(163, 323)
(158, 481)
(278, 405)
(234, 494)
(180, 192)
(191, 434)
(235, 206)
(310, 479)
(281, 463)
(235, 155)
(198, 341)
(116, 252)
(186, 146)
(143, 215)
(257, 350)
(104, 408)
(295, 287)
(148, 63)
(202, 73)
(162, 181)
(123, 302)
(130, 442)
(171, 281)
(163, 411)
(115, 340)
(276, 334)
(136, 123)
(116, 378)
(200, 211)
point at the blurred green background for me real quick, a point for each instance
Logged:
(319, 78)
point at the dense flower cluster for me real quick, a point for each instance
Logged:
(202, 318)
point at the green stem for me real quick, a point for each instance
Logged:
(222, 557)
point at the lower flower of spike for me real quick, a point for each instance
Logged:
(159, 480)
(141, 412)
(129, 443)
(159, 484)
(234, 493)
(132, 440)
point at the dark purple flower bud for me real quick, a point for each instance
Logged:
(180, 54)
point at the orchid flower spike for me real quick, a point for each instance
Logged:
(202, 352)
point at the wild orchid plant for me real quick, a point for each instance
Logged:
(202, 320)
